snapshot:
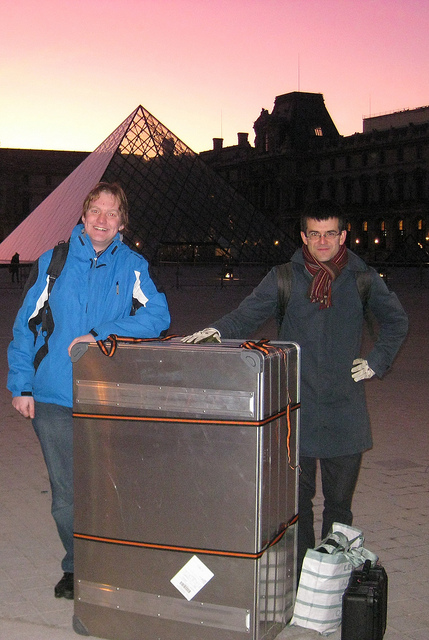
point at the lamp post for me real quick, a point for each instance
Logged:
(376, 243)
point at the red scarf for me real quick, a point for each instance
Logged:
(324, 273)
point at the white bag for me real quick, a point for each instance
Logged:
(324, 578)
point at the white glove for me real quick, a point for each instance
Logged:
(361, 370)
(206, 335)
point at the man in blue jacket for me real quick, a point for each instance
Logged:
(325, 315)
(104, 288)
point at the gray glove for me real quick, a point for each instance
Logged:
(206, 335)
(361, 370)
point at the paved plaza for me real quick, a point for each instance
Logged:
(391, 503)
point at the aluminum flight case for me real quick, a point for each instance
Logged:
(186, 468)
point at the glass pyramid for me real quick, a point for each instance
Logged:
(180, 209)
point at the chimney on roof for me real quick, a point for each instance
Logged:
(243, 139)
(217, 144)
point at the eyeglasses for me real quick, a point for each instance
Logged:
(315, 235)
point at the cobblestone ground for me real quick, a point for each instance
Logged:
(391, 504)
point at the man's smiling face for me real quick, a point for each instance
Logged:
(322, 246)
(102, 221)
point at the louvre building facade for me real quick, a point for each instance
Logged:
(380, 176)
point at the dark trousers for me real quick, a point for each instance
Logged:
(339, 478)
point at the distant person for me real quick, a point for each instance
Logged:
(104, 288)
(14, 267)
(325, 316)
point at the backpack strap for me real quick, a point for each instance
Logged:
(363, 283)
(284, 287)
(58, 259)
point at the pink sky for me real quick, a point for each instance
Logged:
(72, 70)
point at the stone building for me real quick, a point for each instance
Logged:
(380, 176)
(27, 177)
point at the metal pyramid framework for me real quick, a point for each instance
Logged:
(53, 220)
(180, 209)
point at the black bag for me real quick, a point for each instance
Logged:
(364, 614)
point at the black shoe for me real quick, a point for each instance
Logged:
(65, 587)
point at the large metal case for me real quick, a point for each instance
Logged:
(186, 452)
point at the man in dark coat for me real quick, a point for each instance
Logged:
(325, 316)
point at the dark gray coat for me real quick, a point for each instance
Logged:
(334, 416)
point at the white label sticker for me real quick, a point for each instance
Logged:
(192, 578)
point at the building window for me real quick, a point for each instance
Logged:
(318, 189)
(25, 204)
(365, 189)
(419, 183)
(37, 181)
(400, 187)
(382, 181)
(332, 189)
(421, 232)
(380, 239)
(362, 238)
(318, 131)
(348, 191)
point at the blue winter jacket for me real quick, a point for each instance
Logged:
(92, 294)
(334, 416)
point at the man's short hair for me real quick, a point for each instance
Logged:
(116, 191)
(323, 210)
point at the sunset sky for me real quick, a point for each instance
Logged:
(72, 70)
